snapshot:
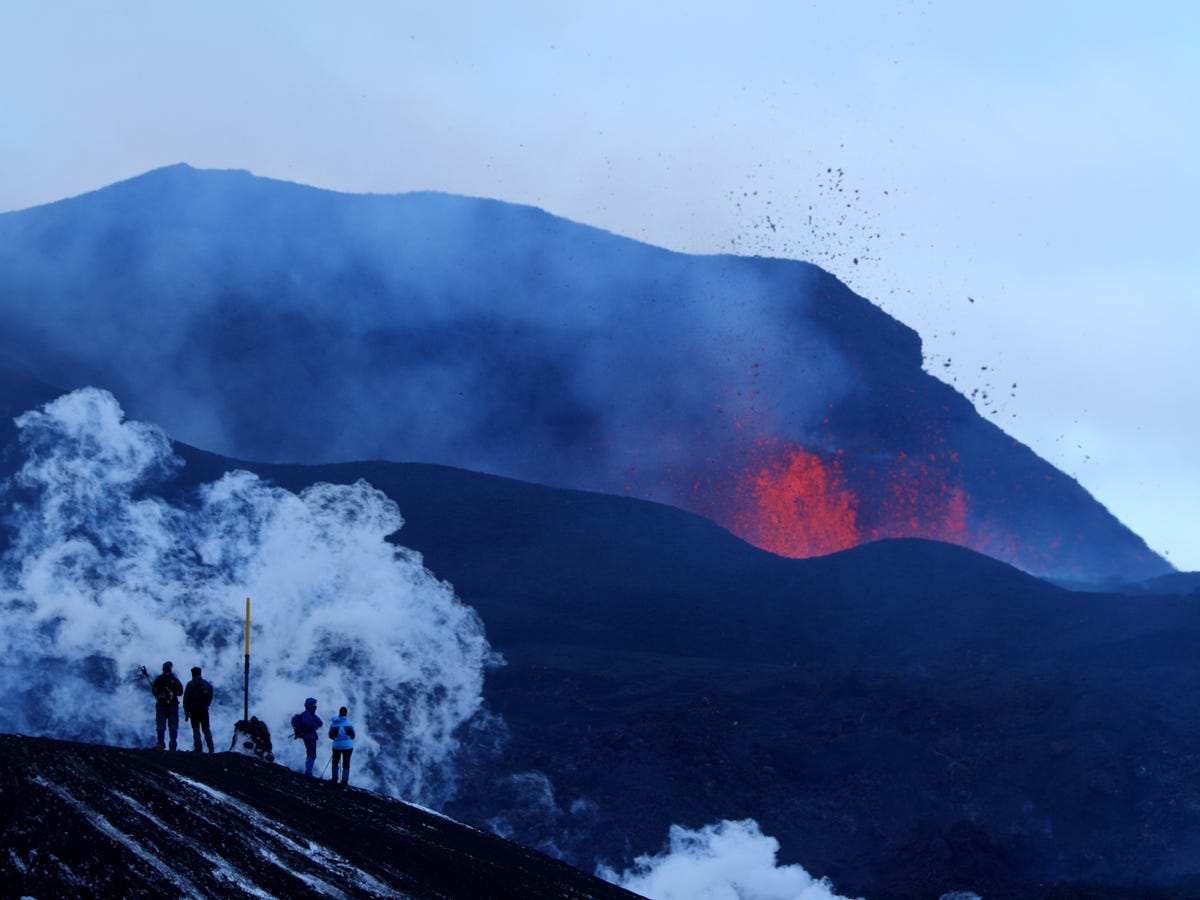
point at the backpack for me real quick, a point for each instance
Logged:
(162, 690)
(296, 732)
(203, 696)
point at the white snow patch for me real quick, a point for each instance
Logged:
(222, 868)
(439, 815)
(131, 843)
(318, 853)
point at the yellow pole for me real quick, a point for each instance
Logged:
(246, 676)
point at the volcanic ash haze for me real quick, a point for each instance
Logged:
(270, 321)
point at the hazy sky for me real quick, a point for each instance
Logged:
(1014, 180)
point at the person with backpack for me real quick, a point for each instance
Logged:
(305, 726)
(167, 690)
(341, 732)
(197, 697)
(258, 737)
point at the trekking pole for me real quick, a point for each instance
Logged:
(326, 766)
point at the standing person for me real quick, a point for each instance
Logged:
(167, 691)
(197, 697)
(306, 725)
(341, 732)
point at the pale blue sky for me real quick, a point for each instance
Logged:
(1037, 157)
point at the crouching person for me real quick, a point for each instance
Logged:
(341, 732)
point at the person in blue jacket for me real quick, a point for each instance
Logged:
(307, 725)
(341, 732)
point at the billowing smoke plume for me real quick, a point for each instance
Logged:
(106, 571)
(726, 861)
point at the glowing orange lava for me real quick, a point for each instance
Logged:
(800, 503)
(914, 499)
(798, 506)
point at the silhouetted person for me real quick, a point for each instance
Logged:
(197, 697)
(341, 732)
(167, 690)
(306, 725)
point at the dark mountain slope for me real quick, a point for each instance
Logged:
(870, 708)
(83, 820)
(605, 569)
(276, 322)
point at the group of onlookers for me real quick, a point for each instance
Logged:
(198, 696)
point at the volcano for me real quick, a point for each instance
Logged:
(274, 322)
(906, 717)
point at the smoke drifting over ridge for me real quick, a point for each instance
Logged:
(274, 322)
(103, 573)
(420, 327)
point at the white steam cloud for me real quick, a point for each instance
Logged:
(106, 570)
(726, 861)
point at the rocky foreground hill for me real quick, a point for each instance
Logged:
(84, 820)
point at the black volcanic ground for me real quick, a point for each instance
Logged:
(275, 322)
(86, 821)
